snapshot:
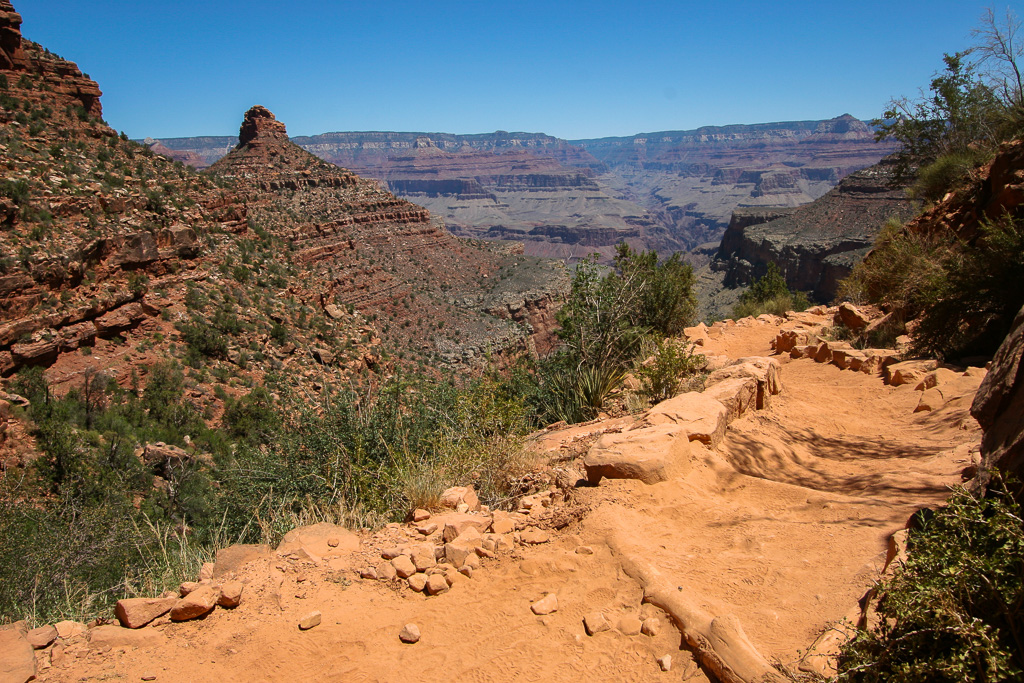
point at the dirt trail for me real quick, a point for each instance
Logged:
(785, 526)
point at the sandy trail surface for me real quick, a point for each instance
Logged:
(785, 525)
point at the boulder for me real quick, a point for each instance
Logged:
(417, 582)
(198, 603)
(17, 658)
(404, 566)
(703, 418)
(231, 559)
(909, 372)
(645, 454)
(437, 584)
(738, 395)
(457, 495)
(315, 540)
(137, 612)
(41, 637)
(455, 524)
(850, 316)
(999, 407)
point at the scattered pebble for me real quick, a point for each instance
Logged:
(546, 605)
(665, 662)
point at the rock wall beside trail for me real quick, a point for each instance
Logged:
(999, 407)
(816, 245)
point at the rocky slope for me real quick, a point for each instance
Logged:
(816, 245)
(113, 258)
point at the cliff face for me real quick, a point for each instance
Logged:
(365, 249)
(114, 259)
(816, 245)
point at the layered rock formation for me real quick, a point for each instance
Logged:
(365, 249)
(669, 191)
(694, 180)
(816, 245)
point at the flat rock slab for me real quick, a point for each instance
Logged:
(137, 612)
(321, 540)
(234, 557)
(645, 454)
(703, 417)
(116, 636)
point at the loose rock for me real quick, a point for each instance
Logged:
(197, 603)
(41, 637)
(534, 536)
(230, 594)
(418, 582)
(410, 634)
(629, 625)
(137, 612)
(595, 622)
(665, 662)
(437, 584)
(404, 566)
(546, 605)
(310, 620)
(651, 626)
(420, 515)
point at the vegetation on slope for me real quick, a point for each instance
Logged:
(769, 294)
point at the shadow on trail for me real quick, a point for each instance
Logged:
(851, 466)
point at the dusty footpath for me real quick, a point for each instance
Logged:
(736, 548)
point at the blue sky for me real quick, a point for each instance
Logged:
(570, 69)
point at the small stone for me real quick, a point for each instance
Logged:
(410, 634)
(472, 561)
(466, 571)
(231, 594)
(149, 677)
(595, 622)
(368, 573)
(651, 626)
(420, 515)
(437, 584)
(310, 620)
(584, 550)
(386, 572)
(333, 542)
(629, 625)
(427, 529)
(187, 587)
(418, 582)
(534, 536)
(665, 662)
(404, 566)
(462, 508)
(546, 605)
(391, 553)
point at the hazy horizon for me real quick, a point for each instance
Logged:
(572, 70)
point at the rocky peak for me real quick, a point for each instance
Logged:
(261, 126)
(11, 53)
(843, 124)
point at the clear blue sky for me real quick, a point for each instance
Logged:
(567, 68)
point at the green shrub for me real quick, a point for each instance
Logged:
(955, 610)
(667, 370)
(947, 173)
(769, 294)
(205, 339)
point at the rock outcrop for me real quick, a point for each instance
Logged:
(999, 408)
(817, 245)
